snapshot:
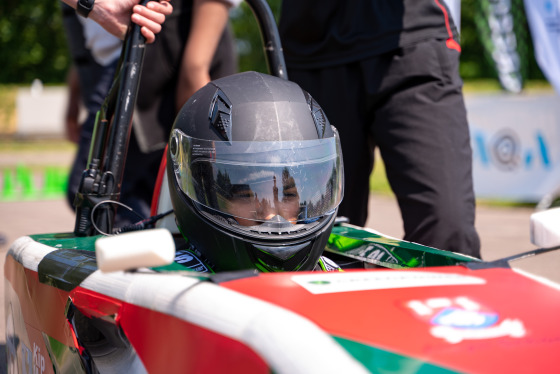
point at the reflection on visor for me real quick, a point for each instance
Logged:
(256, 182)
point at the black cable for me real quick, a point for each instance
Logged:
(142, 224)
(109, 202)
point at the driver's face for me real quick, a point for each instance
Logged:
(243, 205)
(289, 205)
(249, 210)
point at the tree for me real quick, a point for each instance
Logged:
(33, 42)
(475, 38)
(247, 34)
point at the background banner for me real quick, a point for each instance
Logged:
(543, 17)
(516, 145)
(504, 36)
(455, 10)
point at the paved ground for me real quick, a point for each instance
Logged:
(504, 231)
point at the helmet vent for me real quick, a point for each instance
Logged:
(318, 115)
(220, 114)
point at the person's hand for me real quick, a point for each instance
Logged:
(72, 129)
(151, 17)
(209, 19)
(115, 15)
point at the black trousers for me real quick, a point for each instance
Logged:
(408, 103)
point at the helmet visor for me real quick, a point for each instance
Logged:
(255, 182)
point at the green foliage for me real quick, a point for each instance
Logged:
(378, 182)
(247, 34)
(33, 42)
(476, 62)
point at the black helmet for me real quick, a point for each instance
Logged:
(255, 174)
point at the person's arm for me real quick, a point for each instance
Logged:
(115, 15)
(209, 19)
(73, 106)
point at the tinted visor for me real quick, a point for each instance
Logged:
(255, 182)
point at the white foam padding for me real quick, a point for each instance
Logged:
(545, 228)
(135, 249)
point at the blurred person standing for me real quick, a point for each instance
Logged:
(94, 53)
(194, 47)
(386, 74)
(92, 66)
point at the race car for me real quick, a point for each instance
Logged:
(143, 301)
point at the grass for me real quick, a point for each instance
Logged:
(8, 145)
(379, 185)
(492, 85)
(28, 170)
(378, 182)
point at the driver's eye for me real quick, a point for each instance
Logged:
(243, 195)
(290, 194)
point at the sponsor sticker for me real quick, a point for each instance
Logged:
(461, 318)
(32, 361)
(375, 252)
(190, 261)
(322, 283)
